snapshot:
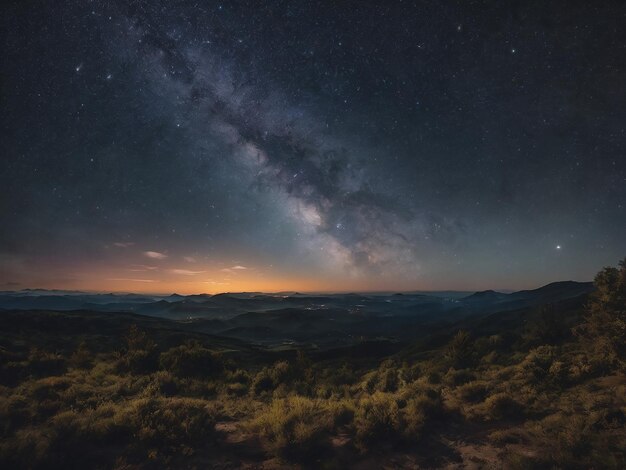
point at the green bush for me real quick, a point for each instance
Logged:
(262, 382)
(239, 376)
(294, 427)
(377, 417)
(472, 392)
(281, 372)
(70, 439)
(170, 423)
(417, 414)
(140, 355)
(166, 383)
(192, 360)
(603, 331)
(503, 406)
(237, 389)
(458, 377)
(410, 373)
(460, 351)
(388, 380)
(82, 357)
(14, 413)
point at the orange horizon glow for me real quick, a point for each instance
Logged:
(199, 279)
(167, 283)
(153, 272)
(190, 287)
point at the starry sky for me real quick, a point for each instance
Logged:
(161, 146)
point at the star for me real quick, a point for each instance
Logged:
(395, 159)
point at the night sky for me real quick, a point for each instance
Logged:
(330, 146)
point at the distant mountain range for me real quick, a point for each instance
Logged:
(311, 320)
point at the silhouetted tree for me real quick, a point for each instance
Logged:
(604, 327)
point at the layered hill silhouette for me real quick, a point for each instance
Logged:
(315, 321)
(528, 379)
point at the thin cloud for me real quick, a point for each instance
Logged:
(186, 272)
(234, 269)
(142, 268)
(125, 279)
(189, 259)
(154, 255)
(123, 244)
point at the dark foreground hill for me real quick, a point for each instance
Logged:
(532, 379)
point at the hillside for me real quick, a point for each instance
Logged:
(363, 382)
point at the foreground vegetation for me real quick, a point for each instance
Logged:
(545, 390)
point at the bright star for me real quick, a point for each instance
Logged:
(558, 247)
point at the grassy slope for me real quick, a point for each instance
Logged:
(126, 391)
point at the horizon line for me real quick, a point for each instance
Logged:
(309, 292)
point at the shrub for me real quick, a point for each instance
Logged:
(558, 374)
(410, 373)
(48, 388)
(417, 414)
(460, 350)
(96, 436)
(281, 372)
(342, 376)
(603, 331)
(140, 355)
(192, 360)
(70, 439)
(342, 412)
(384, 379)
(14, 413)
(169, 423)
(508, 436)
(458, 377)
(140, 361)
(237, 389)
(81, 358)
(377, 417)
(535, 366)
(388, 380)
(262, 382)
(166, 383)
(501, 406)
(294, 427)
(370, 382)
(472, 392)
(239, 376)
